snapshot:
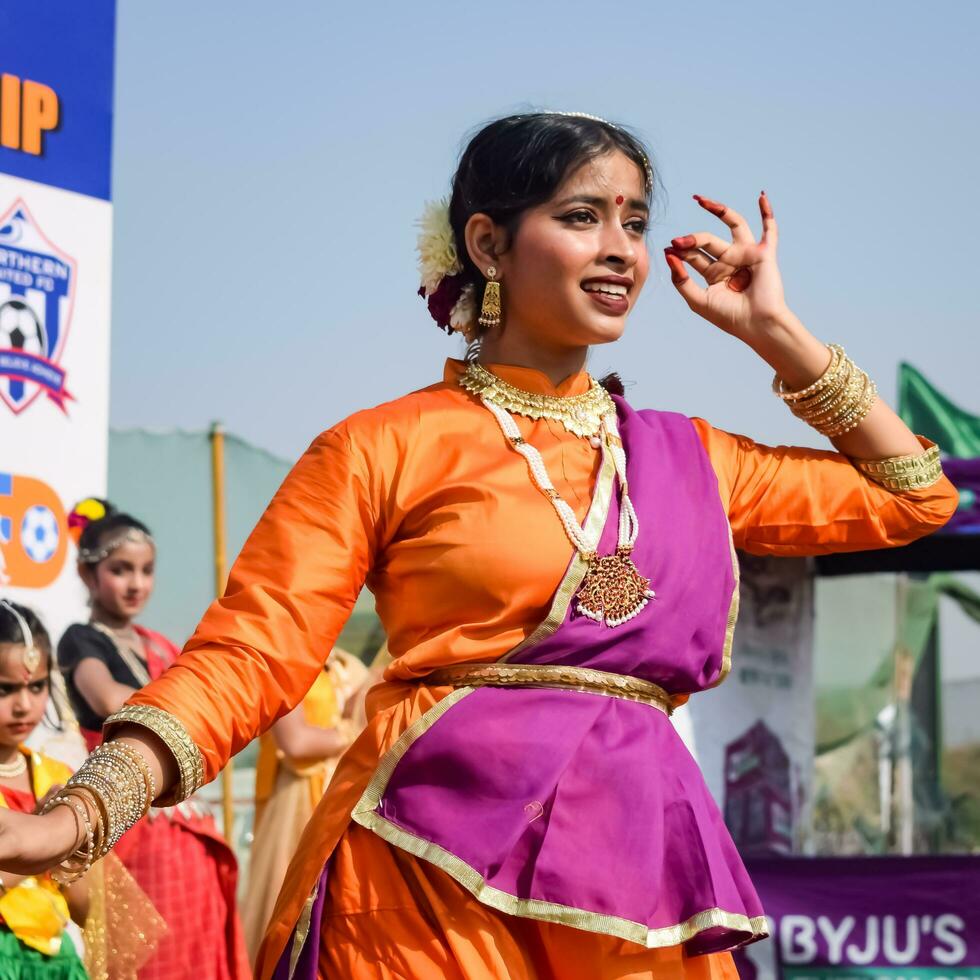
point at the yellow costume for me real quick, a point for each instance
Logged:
(287, 791)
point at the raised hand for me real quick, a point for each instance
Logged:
(743, 294)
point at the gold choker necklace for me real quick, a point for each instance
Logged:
(581, 415)
(613, 591)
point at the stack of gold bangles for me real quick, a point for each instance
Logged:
(116, 786)
(837, 402)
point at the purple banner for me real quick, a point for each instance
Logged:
(887, 918)
(965, 476)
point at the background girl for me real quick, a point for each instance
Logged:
(34, 910)
(177, 855)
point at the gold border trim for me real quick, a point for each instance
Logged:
(726, 653)
(586, 680)
(532, 908)
(171, 731)
(302, 930)
(371, 798)
(716, 918)
(575, 573)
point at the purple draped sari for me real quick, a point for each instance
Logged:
(582, 808)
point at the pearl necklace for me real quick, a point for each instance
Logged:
(11, 770)
(613, 591)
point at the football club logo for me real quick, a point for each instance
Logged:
(37, 287)
(33, 532)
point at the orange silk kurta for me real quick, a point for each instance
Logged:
(424, 501)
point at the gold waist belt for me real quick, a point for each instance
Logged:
(552, 675)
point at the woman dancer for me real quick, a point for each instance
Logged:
(176, 856)
(297, 757)
(34, 910)
(554, 571)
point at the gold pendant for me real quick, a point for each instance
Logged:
(31, 659)
(613, 591)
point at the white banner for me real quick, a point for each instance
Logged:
(55, 278)
(753, 736)
(55, 274)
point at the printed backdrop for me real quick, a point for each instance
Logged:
(55, 273)
(753, 734)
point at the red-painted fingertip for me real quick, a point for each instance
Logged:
(685, 241)
(713, 206)
(677, 273)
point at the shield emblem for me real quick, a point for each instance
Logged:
(37, 290)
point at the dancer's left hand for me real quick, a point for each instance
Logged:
(744, 290)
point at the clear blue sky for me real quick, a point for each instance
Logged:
(270, 160)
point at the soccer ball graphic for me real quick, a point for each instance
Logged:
(20, 329)
(39, 534)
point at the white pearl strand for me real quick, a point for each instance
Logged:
(11, 770)
(586, 544)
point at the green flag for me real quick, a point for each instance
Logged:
(930, 413)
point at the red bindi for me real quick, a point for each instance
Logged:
(620, 198)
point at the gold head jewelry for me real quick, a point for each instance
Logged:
(581, 415)
(130, 535)
(31, 657)
(490, 311)
(647, 169)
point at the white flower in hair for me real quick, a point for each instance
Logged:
(436, 246)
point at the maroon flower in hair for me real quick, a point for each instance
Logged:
(442, 301)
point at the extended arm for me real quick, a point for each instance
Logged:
(257, 650)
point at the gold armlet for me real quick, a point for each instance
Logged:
(169, 729)
(904, 472)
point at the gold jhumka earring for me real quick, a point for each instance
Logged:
(490, 311)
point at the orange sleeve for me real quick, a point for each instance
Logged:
(787, 500)
(259, 648)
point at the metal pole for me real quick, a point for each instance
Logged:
(904, 671)
(220, 578)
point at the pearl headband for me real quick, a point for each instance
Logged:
(133, 535)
